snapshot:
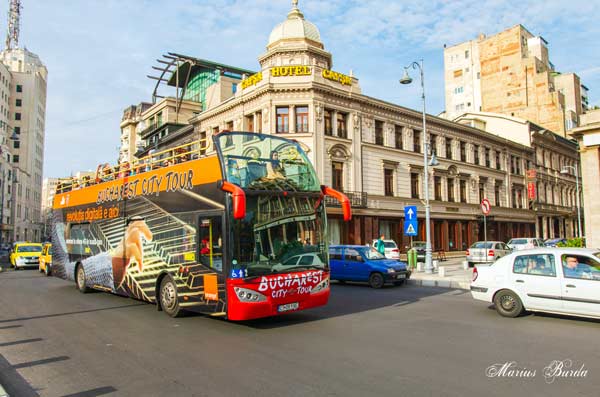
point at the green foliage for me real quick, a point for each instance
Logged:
(574, 242)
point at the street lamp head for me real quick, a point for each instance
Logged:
(434, 161)
(406, 79)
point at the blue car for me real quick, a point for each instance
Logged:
(363, 263)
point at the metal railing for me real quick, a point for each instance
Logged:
(163, 158)
(357, 200)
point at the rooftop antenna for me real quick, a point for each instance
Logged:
(14, 16)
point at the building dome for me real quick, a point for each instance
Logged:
(295, 27)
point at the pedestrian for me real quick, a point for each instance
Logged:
(380, 245)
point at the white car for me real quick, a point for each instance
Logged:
(308, 259)
(525, 243)
(391, 249)
(555, 280)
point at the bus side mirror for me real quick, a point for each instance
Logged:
(238, 198)
(342, 198)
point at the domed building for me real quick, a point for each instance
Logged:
(371, 149)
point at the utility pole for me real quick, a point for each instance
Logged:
(14, 16)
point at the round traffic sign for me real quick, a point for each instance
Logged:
(485, 206)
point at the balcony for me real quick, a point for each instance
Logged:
(357, 200)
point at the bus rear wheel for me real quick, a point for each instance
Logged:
(169, 301)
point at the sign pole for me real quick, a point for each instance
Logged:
(485, 236)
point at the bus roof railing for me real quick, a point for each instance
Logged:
(154, 160)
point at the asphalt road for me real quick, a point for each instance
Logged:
(404, 341)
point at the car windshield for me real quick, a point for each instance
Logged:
(389, 244)
(29, 248)
(371, 253)
(482, 244)
(419, 244)
(518, 241)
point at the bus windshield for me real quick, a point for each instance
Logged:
(280, 234)
(264, 162)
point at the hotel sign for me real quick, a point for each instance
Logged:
(335, 76)
(252, 80)
(280, 71)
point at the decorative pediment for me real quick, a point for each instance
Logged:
(338, 152)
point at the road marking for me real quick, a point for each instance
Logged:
(41, 362)
(20, 342)
(11, 326)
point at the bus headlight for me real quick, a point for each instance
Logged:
(248, 295)
(321, 286)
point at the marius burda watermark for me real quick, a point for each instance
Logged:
(557, 369)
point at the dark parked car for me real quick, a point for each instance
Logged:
(420, 247)
(363, 263)
(553, 242)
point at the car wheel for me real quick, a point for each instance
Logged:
(376, 280)
(47, 270)
(80, 280)
(169, 301)
(508, 304)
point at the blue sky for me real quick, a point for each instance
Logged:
(98, 53)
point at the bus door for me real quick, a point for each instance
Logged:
(211, 247)
(211, 243)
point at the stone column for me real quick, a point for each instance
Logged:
(333, 122)
(292, 119)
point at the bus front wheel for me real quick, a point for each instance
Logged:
(169, 300)
(80, 280)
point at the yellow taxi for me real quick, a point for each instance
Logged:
(46, 259)
(25, 254)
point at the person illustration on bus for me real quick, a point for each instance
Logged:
(131, 246)
(274, 168)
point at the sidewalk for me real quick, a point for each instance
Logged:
(456, 277)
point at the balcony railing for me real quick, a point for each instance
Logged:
(357, 200)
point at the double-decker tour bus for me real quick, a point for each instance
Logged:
(238, 232)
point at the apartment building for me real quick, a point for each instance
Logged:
(511, 73)
(551, 193)
(588, 136)
(26, 125)
(6, 172)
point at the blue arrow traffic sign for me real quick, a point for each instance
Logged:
(411, 224)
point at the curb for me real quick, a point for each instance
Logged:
(441, 284)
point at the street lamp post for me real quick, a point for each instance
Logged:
(564, 170)
(406, 79)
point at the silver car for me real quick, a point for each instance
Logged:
(486, 252)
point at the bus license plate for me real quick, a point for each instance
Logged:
(401, 276)
(287, 307)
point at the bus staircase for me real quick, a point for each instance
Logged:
(166, 251)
